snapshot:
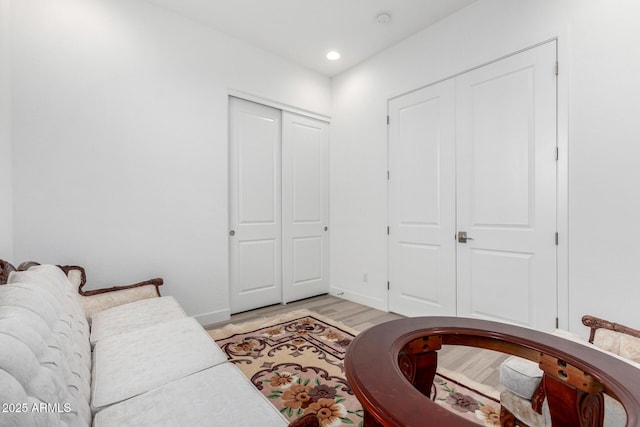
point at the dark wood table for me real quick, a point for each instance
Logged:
(391, 366)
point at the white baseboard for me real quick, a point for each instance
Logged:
(210, 318)
(359, 298)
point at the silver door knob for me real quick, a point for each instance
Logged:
(462, 237)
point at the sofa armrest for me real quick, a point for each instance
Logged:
(96, 300)
(5, 269)
(596, 323)
(92, 304)
(309, 420)
(78, 276)
(156, 283)
(620, 340)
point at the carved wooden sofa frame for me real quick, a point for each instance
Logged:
(6, 268)
(96, 299)
(595, 323)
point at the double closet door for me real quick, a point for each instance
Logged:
(278, 206)
(472, 194)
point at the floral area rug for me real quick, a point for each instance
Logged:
(297, 361)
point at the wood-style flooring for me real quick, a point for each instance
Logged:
(479, 365)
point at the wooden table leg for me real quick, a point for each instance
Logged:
(418, 362)
(369, 420)
(571, 407)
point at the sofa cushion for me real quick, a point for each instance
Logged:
(220, 396)
(608, 340)
(135, 315)
(130, 364)
(521, 376)
(630, 347)
(55, 283)
(522, 410)
(96, 303)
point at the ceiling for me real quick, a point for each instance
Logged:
(303, 31)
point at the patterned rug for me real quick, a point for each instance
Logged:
(297, 361)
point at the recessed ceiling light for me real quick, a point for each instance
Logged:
(383, 18)
(333, 55)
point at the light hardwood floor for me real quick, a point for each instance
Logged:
(478, 365)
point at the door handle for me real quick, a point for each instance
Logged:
(232, 233)
(462, 237)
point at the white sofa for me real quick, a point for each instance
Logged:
(140, 363)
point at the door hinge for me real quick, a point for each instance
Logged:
(557, 68)
(388, 285)
(388, 231)
(556, 238)
(557, 154)
(387, 119)
(388, 175)
(557, 323)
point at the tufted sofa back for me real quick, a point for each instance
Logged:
(621, 344)
(45, 354)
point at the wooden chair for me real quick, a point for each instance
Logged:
(523, 408)
(624, 338)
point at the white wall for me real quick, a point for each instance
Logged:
(6, 189)
(120, 141)
(601, 64)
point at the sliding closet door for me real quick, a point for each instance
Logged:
(422, 263)
(278, 206)
(305, 207)
(254, 205)
(506, 142)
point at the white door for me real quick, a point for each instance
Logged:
(506, 141)
(254, 205)
(305, 207)
(422, 269)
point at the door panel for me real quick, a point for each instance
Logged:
(487, 287)
(417, 260)
(258, 265)
(502, 148)
(422, 202)
(257, 151)
(305, 207)
(254, 205)
(307, 259)
(506, 139)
